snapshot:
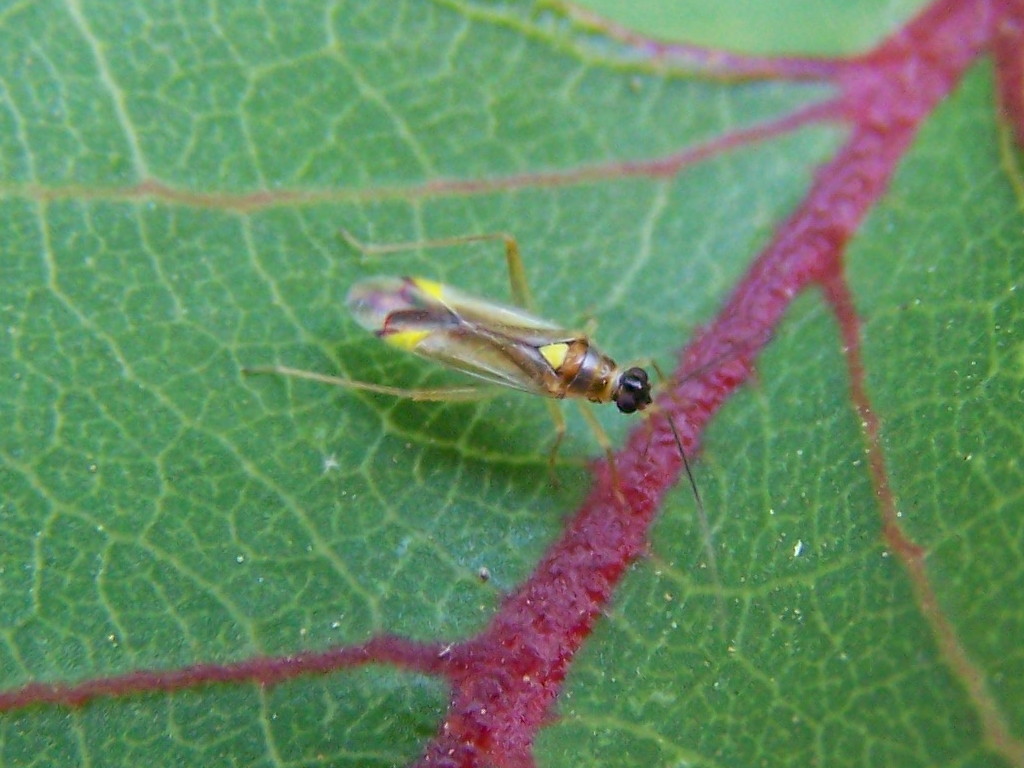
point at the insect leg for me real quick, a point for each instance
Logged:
(440, 394)
(555, 409)
(605, 442)
(513, 258)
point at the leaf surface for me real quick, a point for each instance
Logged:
(172, 183)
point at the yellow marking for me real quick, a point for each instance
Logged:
(432, 288)
(555, 353)
(407, 340)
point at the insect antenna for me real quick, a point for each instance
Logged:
(702, 514)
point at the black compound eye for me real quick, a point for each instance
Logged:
(634, 393)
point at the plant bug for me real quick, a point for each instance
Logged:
(500, 344)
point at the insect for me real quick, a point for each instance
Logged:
(500, 344)
(494, 342)
(497, 343)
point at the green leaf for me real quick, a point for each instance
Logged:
(173, 179)
(782, 27)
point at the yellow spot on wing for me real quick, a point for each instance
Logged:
(555, 353)
(429, 287)
(407, 340)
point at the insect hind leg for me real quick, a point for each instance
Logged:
(518, 284)
(439, 394)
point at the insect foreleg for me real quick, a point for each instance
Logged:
(605, 442)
